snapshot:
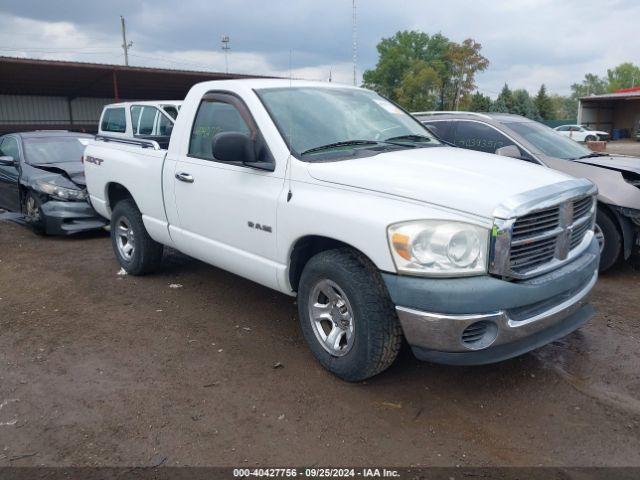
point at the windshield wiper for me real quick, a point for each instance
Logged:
(593, 155)
(410, 138)
(347, 143)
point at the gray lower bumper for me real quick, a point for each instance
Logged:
(62, 218)
(484, 319)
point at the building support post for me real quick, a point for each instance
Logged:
(116, 95)
(70, 107)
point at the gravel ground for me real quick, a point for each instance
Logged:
(624, 147)
(105, 369)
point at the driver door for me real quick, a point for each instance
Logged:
(9, 175)
(226, 210)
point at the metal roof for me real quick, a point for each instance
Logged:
(630, 95)
(24, 76)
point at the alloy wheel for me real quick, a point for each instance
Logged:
(331, 317)
(125, 239)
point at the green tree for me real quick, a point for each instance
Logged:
(564, 108)
(418, 90)
(504, 102)
(524, 105)
(590, 85)
(543, 104)
(464, 62)
(396, 56)
(411, 52)
(480, 103)
(625, 75)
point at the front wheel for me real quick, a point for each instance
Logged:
(609, 240)
(346, 315)
(135, 250)
(590, 138)
(33, 213)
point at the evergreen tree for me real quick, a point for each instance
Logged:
(544, 104)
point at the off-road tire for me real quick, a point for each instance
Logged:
(147, 254)
(378, 335)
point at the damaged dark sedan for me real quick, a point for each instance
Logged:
(42, 177)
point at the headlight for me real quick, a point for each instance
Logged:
(60, 193)
(439, 248)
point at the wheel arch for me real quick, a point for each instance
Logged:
(116, 192)
(306, 247)
(624, 226)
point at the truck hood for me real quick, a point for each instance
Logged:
(463, 180)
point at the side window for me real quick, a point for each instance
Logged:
(9, 147)
(441, 129)
(135, 118)
(113, 120)
(563, 129)
(171, 111)
(214, 117)
(165, 126)
(147, 119)
(480, 137)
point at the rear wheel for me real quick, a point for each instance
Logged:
(33, 213)
(135, 250)
(346, 315)
(609, 240)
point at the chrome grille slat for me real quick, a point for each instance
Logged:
(538, 237)
(538, 245)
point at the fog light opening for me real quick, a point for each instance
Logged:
(479, 335)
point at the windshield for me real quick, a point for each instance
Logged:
(43, 150)
(548, 141)
(343, 119)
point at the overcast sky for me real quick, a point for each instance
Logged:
(528, 42)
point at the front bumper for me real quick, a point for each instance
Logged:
(65, 218)
(488, 319)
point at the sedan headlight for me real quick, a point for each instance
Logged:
(439, 248)
(61, 193)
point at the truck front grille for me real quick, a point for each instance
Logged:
(545, 237)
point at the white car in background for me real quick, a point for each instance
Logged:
(581, 133)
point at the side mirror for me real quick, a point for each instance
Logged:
(509, 151)
(237, 147)
(232, 147)
(7, 161)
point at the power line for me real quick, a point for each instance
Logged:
(225, 47)
(125, 46)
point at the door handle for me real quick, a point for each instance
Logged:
(184, 177)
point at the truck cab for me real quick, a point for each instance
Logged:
(149, 120)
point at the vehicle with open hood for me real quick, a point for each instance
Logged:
(42, 176)
(335, 195)
(616, 176)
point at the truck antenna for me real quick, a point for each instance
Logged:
(288, 167)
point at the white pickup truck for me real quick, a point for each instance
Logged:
(149, 120)
(336, 195)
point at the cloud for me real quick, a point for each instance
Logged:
(528, 41)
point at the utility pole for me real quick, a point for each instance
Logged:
(225, 47)
(354, 35)
(125, 46)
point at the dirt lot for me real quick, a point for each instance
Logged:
(102, 369)
(624, 147)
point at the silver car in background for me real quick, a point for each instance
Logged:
(616, 176)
